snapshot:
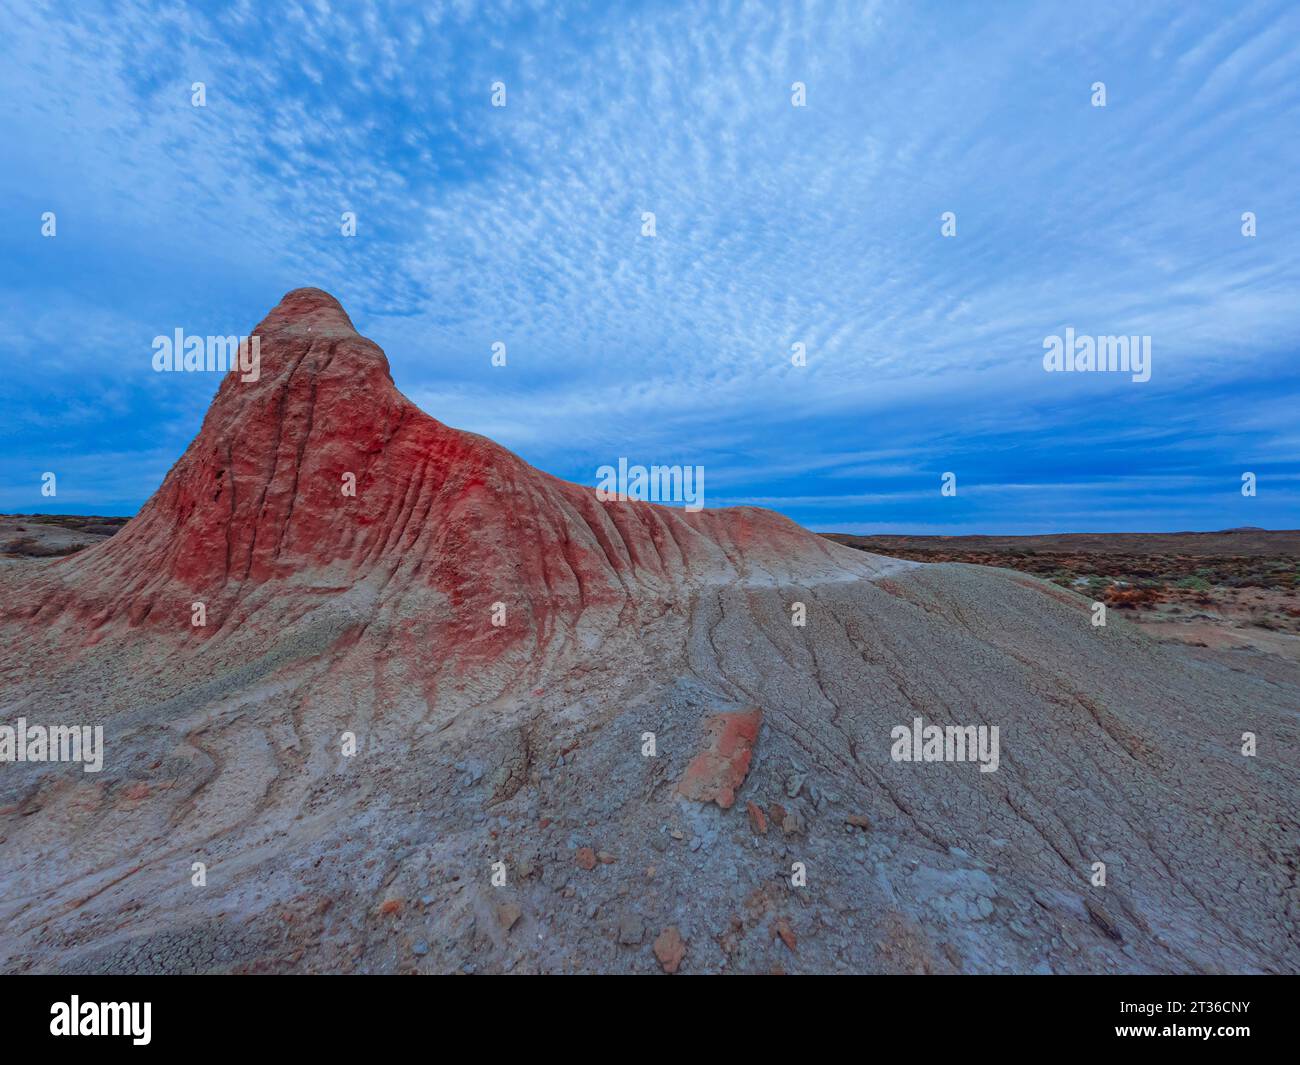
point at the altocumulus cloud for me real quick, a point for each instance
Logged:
(775, 226)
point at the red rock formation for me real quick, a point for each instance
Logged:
(443, 523)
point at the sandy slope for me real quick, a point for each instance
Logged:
(482, 745)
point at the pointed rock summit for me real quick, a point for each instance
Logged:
(308, 310)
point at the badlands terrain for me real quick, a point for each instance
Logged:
(1235, 588)
(589, 736)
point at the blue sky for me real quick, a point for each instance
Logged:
(774, 225)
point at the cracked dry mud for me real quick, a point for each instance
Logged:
(522, 745)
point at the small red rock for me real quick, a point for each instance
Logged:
(757, 819)
(586, 858)
(781, 927)
(670, 948)
(721, 767)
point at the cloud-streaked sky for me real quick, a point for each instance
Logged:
(775, 225)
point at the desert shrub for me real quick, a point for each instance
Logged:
(1131, 598)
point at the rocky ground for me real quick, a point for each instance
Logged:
(51, 535)
(1114, 748)
(651, 766)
